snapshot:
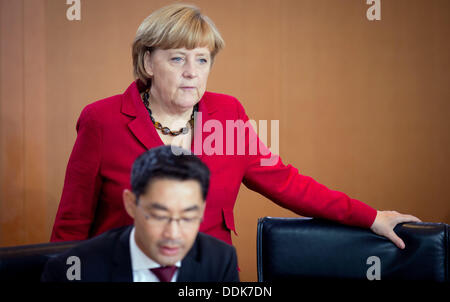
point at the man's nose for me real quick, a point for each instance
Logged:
(172, 229)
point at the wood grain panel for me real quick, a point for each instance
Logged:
(363, 106)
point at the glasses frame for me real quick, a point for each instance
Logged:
(164, 221)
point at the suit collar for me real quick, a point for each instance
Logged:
(190, 265)
(206, 104)
(122, 267)
(129, 103)
(141, 126)
(121, 260)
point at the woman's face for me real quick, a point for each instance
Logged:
(179, 76)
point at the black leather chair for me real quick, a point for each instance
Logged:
(313, 249)
(26, 262)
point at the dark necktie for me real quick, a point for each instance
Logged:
(164, 273)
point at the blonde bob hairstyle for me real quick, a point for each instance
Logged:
(173, 26)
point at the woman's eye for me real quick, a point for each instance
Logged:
(177, 59)
(203, 61)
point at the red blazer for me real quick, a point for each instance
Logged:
(114, 131)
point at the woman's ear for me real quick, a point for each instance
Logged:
(129, 201)
(148, 63)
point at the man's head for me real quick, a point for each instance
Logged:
(166, 201)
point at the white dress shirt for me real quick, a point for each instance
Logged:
(141, 264)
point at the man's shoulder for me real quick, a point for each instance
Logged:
(214, 260)
(93, 257)
(208, 242)
(97, 247)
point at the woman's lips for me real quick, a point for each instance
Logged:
(187, 87)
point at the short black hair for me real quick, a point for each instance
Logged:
(168, 162)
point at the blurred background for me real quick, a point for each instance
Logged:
(363, 106)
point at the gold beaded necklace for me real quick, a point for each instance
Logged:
(166, 130)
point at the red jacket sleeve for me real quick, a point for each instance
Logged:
(301, 194)
(82, 182)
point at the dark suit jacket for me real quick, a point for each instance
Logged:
(106, 258)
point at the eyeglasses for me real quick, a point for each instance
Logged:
(161, 221)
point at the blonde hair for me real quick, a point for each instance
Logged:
(173, 26)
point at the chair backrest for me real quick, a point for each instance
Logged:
(26, 262)
(305, 248)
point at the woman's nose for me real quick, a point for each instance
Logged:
(190, 70)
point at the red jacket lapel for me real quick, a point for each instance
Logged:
(141, 126)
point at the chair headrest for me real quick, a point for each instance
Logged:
(305, 248)
(26, 262)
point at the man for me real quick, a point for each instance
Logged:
(167, 202)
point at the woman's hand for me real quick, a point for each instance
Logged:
(385, 223)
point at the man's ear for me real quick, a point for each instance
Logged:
(202, 210)
(129, 201)
(148, 64)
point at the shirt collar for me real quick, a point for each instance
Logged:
(140, 261)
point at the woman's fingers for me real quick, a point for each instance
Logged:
(399, 218)
(406, 218)
(385, 223)
(395, 239)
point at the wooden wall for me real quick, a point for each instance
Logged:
(364, 106)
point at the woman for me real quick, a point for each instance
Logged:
(173, 52)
